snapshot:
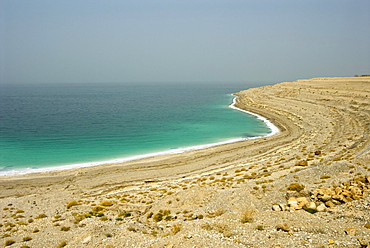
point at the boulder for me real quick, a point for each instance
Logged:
(321, 207)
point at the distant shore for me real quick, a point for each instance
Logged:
(323, 140)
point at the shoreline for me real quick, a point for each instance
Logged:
(307, 185)
(271, 126)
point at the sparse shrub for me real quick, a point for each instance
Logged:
(149, 215)
(302, 163)
(41, 216)
(27, 238)
(57, 216)
(9, 242)
(36, 230)
(107, 203)
(176, 228)
(221, 228)
(247, 216)
(325, 177)
(108, 235)
(62, 244)
(97, 209)
(104, 218)
(296, 187)
(260, 228)
(71, 204)
(30, 220)
(218, 212)
(124, 214)
(65, 228)
(158, 217)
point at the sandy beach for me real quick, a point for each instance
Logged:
(306, 186)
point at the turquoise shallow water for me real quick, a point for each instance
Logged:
(52, 125)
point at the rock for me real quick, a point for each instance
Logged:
(86, 240)
(324, 198)
(276, 207)
(330, 204)
(364, 242)
(311, 205)
(336, 202)
(283, 207)
(293, 203)
(350, 231)
(283, 227)
(302, 201)
(321, 208)
(340, 198)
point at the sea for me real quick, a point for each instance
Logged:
(47, 127)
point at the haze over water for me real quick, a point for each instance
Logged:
(51, 125)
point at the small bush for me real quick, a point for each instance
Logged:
(62, 244)
(158, 217)
(296, 187)
(124, 214)
(247, 216)
(71, 204)
(260, 228)
(27, 238)
(176, 228)
(325, 177)
(41, 216)
(97, 209)
(107, 203)
(9, 242)
(65, 228)
(150, 215)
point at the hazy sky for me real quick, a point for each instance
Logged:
(182, 41)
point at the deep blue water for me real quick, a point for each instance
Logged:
(49, 125)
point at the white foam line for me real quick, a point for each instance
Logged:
(273, 128)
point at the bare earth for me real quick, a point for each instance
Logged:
(222, 196)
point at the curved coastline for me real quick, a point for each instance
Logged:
(211, 193)
(269, 124)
